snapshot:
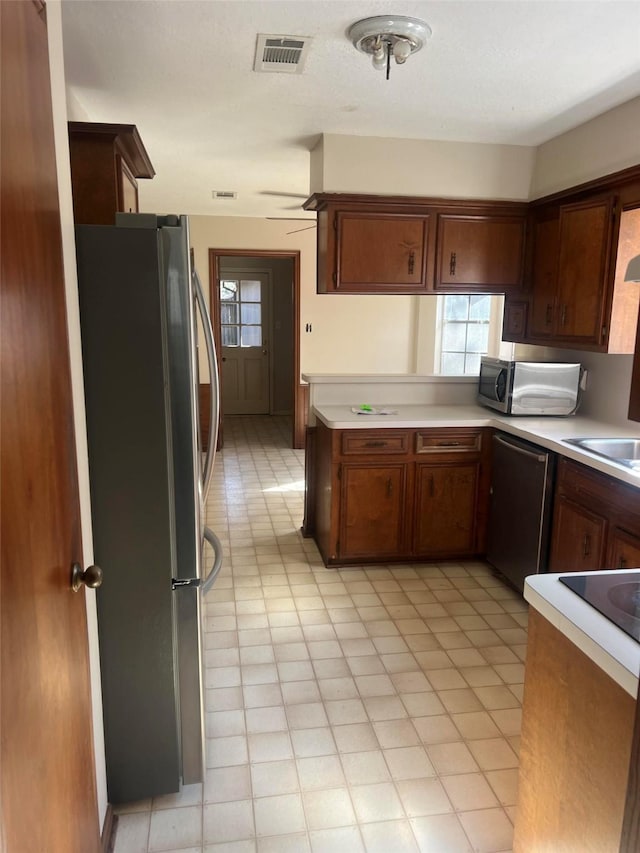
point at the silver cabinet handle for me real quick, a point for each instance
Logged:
(91, 577)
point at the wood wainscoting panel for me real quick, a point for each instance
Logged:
(301, 416)
(577, 729)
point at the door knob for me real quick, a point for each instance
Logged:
(91, 577)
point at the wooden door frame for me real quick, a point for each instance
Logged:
(299, 391)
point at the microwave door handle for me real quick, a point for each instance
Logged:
(214, 379)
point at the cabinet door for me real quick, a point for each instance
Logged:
(514, 324)
(623, 551)
(546, 237)
(372, 504)
(127, 187)
(585, 232)
(479, 252)
(377, 252)
(578, 543)
(445, 519)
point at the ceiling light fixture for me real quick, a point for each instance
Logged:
(385, 36)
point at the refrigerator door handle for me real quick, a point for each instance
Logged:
(215, 543)
(214, 397)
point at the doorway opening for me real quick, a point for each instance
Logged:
(255, 308)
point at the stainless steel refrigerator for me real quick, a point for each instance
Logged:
(149, 479)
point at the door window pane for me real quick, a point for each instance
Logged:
(251, 314)
(241, 312)
(250, 291)
(229, 313)
(228, 290)
(251, 336)
(230, 336)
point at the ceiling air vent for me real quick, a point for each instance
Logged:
(224, 194)
(285, 54)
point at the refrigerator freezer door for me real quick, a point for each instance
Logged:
(130, 468)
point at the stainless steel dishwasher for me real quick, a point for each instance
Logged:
(520, 508)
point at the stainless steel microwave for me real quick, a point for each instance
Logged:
(529, 387)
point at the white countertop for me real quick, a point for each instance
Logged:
(547, 432)
(604, 643)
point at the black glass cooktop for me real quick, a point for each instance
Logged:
(615, 595)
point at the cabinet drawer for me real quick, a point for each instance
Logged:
(448, 441)
(382, 442)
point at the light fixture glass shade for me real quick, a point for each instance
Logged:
(404, 35)
(401, 50)
(633, 270)
(379, 57)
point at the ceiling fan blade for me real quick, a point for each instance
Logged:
(298, 230)
(283, 194)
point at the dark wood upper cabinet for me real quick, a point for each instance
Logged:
(584, 246)
(546, 238)
(106, 161)
(580, 242)
(396, 244)
(483, 252)
(570, 261)
(381, 251)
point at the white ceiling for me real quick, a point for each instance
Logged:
(182, 71)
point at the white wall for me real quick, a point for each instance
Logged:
(349, 333)
(54, 27)
(605, 144)
(421, 167)
(608, 385)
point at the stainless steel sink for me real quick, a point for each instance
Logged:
(624, 451)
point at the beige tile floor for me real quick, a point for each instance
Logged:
(374, 708)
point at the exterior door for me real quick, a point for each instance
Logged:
(47, 771)
(244, 318)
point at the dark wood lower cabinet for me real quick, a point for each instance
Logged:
(624, 550)
(578, 538)
(595, 522)
(372, 510)
(445, 514)
(381, 495)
